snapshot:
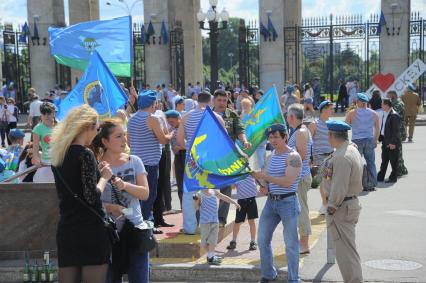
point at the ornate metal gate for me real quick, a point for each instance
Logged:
(248, 54)
(16, 67)
(327, 49)
(138, 56)
(417, 47)
(177, 67)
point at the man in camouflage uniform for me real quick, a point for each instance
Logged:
(399, 107)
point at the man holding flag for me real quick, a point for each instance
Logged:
(235, 129)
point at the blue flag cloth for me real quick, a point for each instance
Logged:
(35, 33)
(98, 88)
(142, 38)
(382, 22)
(264, 31)
(164, 34)
(24, 33)
(213, 160)
(271, 28)
(72, 46)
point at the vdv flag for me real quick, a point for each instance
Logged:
(265, 113)
(382, 22)
(98, 88)
(213, 161)
(73, 45)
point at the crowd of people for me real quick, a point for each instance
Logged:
(122, 167)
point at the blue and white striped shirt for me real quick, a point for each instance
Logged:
(277, 167)
(194, 117)
(142, 141)
(208, 208)
(321, 145)
(246, 188)
(363, 124)
(306, 169)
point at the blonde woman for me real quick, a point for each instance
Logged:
(246, 107)
(82, 241)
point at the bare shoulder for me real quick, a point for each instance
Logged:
(294, 160)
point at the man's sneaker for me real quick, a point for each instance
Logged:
(214, 260)
(253, 246)
(322, 210)
(264, 280)
(232, 245)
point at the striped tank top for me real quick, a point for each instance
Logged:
(192, 121)
(246, 188)
(142, 141)
(208, 208)
(306, 169)
(363, 124)
(276, 168)
(321, 145)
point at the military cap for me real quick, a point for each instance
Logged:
(172, 114)
(179, 100)
(337, 126)
(146, 99)
(324, 104)
(17, 134)
(362, 97)
(274, 128)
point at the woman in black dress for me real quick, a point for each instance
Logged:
(83, 245)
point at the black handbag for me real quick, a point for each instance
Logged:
(140, 240)
(109, 223)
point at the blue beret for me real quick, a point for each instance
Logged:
(172, 114)
(324, 104)
(146, 99)
(362, 97)
(274, 128)
(179, 100)
(290, 88)
(411, 86)
(17, 134)
(337, 126)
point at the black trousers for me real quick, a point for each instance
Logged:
(179, 172)
(389, 155)
(163, 184)
(343, 102)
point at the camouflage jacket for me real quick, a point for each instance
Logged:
(399, 107)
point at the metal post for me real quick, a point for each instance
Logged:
(367, 51)
(213, 55)
(331, 59)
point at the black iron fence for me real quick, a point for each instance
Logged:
(16, 64)
(417, 47)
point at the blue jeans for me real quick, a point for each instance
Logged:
(189, 213)
(146, 205)
(260, 154)
(287, 211)
(138, 271)
(366, 148)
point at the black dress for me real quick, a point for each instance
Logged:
(81, 236)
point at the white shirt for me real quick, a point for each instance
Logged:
(10, 110)
(384, 118)
(35, 108)
(308, 93)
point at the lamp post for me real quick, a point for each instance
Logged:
(214, 18)
(125, 7)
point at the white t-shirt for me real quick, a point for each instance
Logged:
(35, 108)
(10, 110)
(308, 93)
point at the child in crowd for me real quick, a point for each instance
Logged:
(246, 194)
(10, 155)
(246, 107)
(41, 139)
(25, 163)
(206, 202)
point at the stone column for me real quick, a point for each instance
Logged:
(186, 11)
(81, 11)
(157, 56)
(395, 38)
(271, 53)
(46, 13)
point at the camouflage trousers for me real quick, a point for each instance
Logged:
(402, 170)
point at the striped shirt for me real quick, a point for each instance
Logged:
(142, 141)
(191, 124)
(363, 124)
(306, 169)
(246, 188)
(321, 145)
(208, 208)
(277, 167)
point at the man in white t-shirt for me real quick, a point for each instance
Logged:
(34, 115)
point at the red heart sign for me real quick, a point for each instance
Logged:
(383, 82)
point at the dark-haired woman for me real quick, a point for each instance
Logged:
(121, 198)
